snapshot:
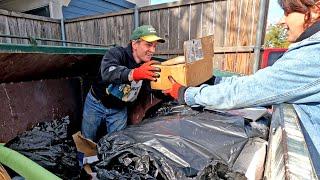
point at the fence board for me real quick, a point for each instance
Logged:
(13, 29)
(164, 28)
(155, 19)
(184, 25)
(129, 26)
(100, 26)
(144, 18)
(70, 29)
(246, 19)
(4, 29)
(24, 25)
(208, 19)
(195, 21)
(173, 39)
(232, 32)
(110, 24)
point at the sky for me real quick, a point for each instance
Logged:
(274, 15)
(275, 12)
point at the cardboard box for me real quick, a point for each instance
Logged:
(196, 69)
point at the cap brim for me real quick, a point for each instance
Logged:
(152, 38)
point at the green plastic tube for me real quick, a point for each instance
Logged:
(24, 166)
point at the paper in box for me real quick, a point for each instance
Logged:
(196, 69)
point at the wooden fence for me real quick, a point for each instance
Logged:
(18, 24)
(233, 23)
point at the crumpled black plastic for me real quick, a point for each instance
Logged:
(48, 145)
(177, 143)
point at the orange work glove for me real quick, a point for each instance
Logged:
(146, 71)
(175, 90)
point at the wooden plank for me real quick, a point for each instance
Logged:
(79, 33)
(128, 21)
(22, 30)
(98, 34)
(14, 30)
(119, 31)
(100, 31)
(88, 32)
(30, 30)
(73, 33)
(233, 22)
(51, 35)
(45, 33)
(232, 49)
(83, 34)
(184, 25)
(246, 18)
(231, 33)
(208, 18)
(220, 14)
(155, 19)
(4, 29)
(218, 62)
(67, 32)
(70, 30)
(220, 10)
(56, 34)
(163, 30)
(229, 61)
(37, 29)
(173, 28)
(234, 13)
(144, 18)
(250, 58)
(195, 21)
(255, 14)
(110, 25)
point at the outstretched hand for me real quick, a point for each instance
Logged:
(174, 90)
(146, 71)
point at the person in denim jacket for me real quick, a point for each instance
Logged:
(294, 78)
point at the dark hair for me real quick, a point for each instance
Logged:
(301, 6)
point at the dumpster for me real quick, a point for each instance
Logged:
(42, 83)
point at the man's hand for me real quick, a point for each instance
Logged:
(146, 71)
(174, 90)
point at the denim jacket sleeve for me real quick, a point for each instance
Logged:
(295, 78)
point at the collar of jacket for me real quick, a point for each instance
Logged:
(130, 53)
(314, 28)
(129, 50)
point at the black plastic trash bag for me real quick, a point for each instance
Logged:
(48, 145)
(184, 144)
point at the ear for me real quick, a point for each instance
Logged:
(134, 44)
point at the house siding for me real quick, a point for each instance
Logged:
(78, 8)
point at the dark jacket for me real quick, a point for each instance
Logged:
(112, 84)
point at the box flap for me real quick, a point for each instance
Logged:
(86, 146)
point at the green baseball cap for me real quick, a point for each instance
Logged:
(146, 33)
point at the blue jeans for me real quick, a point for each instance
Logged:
(95, 114)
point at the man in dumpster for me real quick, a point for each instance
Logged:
(123, 71)
(294, 78)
